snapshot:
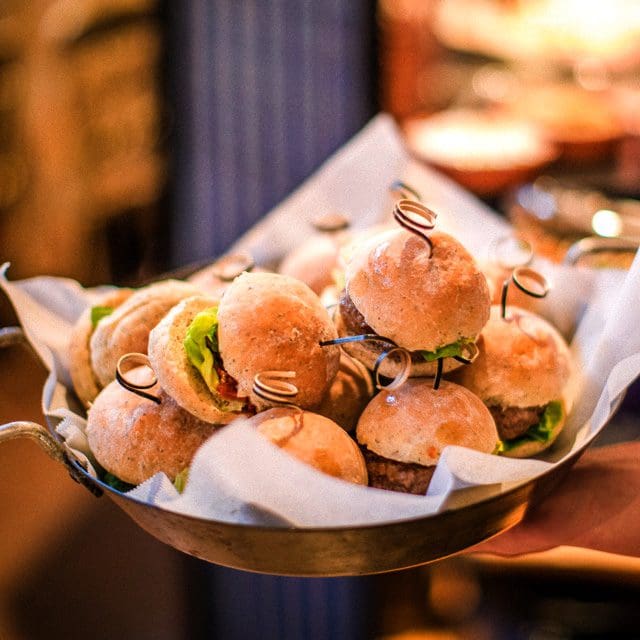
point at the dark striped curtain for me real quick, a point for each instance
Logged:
(261, 92)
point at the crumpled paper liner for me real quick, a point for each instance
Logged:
(238, 476)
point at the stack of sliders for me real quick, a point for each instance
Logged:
(195, 369)
(357, 390)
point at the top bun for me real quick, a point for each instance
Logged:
(268, 322)
(523, 361)
(313, 262)
(85, 382)
(418, 300)
(127, 329)
(415, 422)
(313, 439)
(135, 438)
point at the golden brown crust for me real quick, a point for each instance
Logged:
(127, 329)
(313, 439)
(313, 262)
(523, 361)
(269, 321)
(134, 438)
(349, 393)
(419, 302)
(84, 380)
(415, 422)
(177, 376)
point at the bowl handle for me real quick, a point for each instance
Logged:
(596, 244)
(35, 431)
(24, 429)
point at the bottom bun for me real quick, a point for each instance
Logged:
(367, 352)
(315, 440)
(528, 447)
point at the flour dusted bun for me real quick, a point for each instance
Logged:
(85, 382)
(313, 439)
(522, 374)
(176, 374)
(419, 301)
(405, 430)
(133, 438)
(415, 422)
(432, 303)
(269, 322)
(523, 361)
(127, 329)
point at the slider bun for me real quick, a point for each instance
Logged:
(270, 321)
(313, 262)
(127, 329)
(348, 394)
(415, 422)
(523, 361)
(367, 353)
(84, 380)
(134, 438)
(176, 375)
(315, 440)
(419, 302)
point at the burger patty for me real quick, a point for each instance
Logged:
(353, 320)
(513, 422)
(355, 324)
(407, 477)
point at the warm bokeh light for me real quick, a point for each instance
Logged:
(606, 223)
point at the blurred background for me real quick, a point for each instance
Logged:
(139, 136)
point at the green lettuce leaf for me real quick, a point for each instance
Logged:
(180, 481)
(448, 350)
(540, 432)
(97, 313)
(115, 483)
(201, 346)
(201, 343)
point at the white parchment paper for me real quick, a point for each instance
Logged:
(237, 476)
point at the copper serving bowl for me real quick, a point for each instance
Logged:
(315, 551)
(483, 150)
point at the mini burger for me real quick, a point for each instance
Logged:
(126, 329)
(403, 432)
(85, 381)
(206, 354)
(134, 438)
(315, 440)
(348, 394)
(184, 353)
(316, 261)
(521, 374)
(427, 297)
